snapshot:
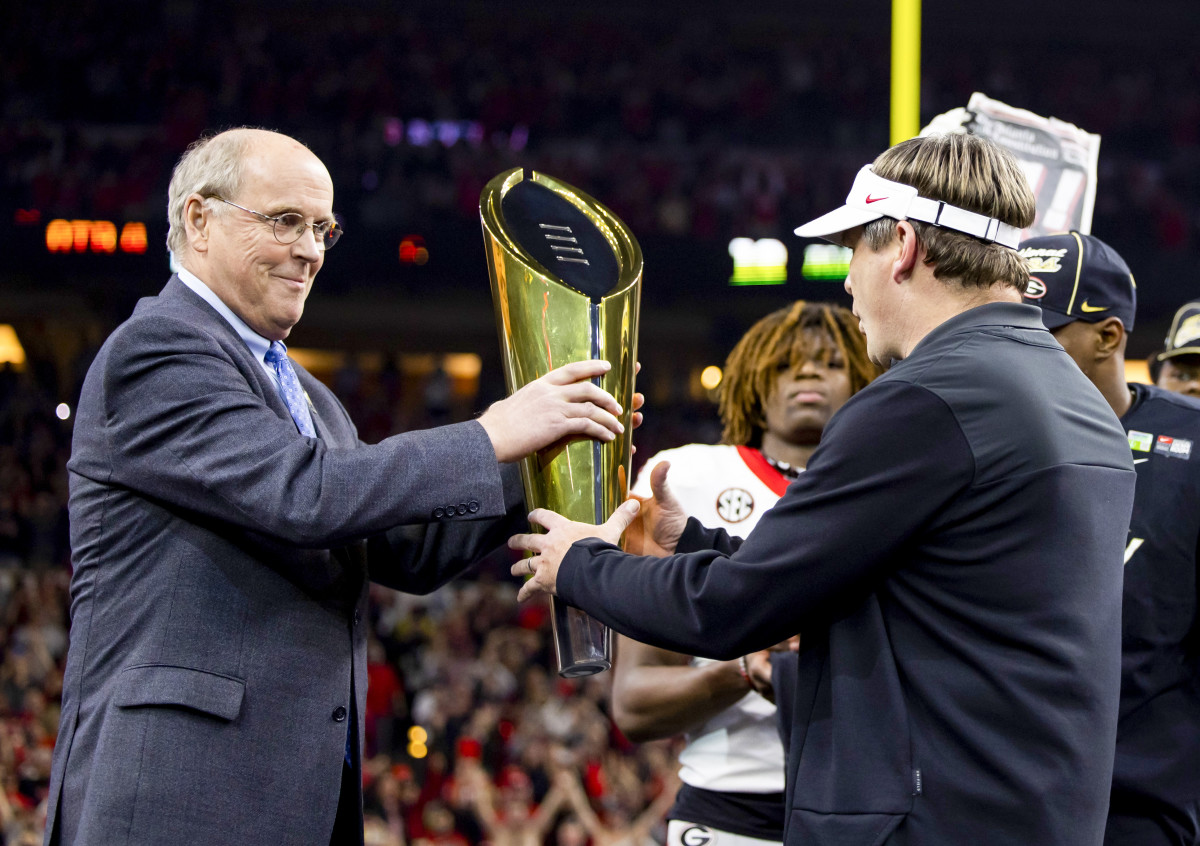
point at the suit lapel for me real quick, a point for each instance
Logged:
(204, 315)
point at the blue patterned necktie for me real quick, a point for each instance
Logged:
(289, 388)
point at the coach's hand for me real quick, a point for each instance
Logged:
(562, 404)
(550, 548)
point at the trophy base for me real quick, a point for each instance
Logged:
(583, 645)
(584, 669)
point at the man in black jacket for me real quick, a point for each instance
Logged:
(1088, 301)
(951, 557)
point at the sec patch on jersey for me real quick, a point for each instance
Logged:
(735, 504)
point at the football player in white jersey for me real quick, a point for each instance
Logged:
(783, 381)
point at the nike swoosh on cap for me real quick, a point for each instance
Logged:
(1090, 308)
(870, 199)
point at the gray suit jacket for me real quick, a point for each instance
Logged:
(220, 585)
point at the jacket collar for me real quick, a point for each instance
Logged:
(1011, 315)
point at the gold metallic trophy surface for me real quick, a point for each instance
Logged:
(566, 282)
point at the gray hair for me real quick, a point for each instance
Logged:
(211, 166)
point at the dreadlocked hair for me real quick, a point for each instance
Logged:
(790, 336)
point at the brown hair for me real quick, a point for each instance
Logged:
(786, 335)
(975, 174)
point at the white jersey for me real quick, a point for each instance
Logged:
(724, 487)
(728, 487)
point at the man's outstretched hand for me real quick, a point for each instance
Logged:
(548, 549)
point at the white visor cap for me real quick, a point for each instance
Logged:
(872, 197)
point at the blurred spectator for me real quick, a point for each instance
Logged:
(507, 815)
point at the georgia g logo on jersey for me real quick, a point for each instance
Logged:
(695, 835)
(734, 505)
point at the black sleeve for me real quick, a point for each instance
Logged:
(696, 536)
(890, 460)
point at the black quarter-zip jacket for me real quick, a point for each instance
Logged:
(952, 558)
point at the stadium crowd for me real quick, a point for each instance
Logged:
(698, 129)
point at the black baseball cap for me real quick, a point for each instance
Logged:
(1184, 337)
(1073, 276)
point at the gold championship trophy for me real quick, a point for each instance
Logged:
(566, 282)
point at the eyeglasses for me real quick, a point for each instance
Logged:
(290, 226)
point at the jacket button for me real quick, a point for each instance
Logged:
(473, 506)
(439, 513)
(451, 511)
(339, 713)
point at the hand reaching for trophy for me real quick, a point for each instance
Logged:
(650, 525)
(549, 548)
(561, 404)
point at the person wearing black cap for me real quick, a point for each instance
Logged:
(1088, 299)
(1177, 367)
(951, 557)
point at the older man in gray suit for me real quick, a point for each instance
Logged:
(226, 520)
